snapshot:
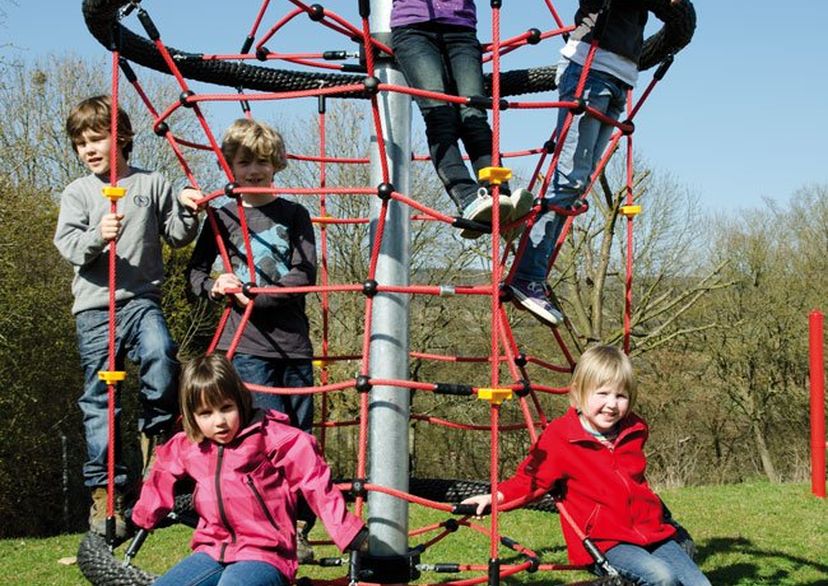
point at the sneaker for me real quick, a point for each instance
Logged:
(522, 201)
(480, 210)
(97, 514)
(304, 550)
(533, 296)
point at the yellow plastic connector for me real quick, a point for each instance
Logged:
(494, 175)
(111, 377)
(320, 363)
(112, 192)
(630, 211)
(496, 396)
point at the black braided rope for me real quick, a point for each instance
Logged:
(101, 568)
(101, 18)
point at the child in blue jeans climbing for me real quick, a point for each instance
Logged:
(435, 44)
(614, 71)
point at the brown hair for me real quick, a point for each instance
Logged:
(255, 139)
(94, 114)
(210, 380)
(599, 366)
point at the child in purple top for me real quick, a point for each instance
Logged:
(436, 47)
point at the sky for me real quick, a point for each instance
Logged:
(738, 120)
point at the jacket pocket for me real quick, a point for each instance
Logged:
(259, 499)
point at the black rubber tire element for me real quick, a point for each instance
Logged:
(101, 17)
(101, 568)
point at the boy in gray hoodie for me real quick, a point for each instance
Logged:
(85, 229)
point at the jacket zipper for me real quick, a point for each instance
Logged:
(222, 512)
(261, 502)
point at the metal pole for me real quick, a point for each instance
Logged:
(817, 376)
(389, 406)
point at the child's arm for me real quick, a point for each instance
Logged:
(302, 271)
(178, 217)
(77, 241)
(157, 496)
(306, 470)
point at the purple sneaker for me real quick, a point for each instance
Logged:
(533, 296)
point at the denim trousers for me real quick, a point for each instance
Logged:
(580, 153)
(447, 59)
(199, 569)
(665, 564)
(275, 372)
(142, 336)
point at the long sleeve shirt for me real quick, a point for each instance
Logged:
(151, 212)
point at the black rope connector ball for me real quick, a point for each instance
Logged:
(451, 525)
(525, 388)
(534, 36)
(246, 289)
(384, 191)
(262, 53)
(358, 487)
(549, 146)
(316, 12)
(627, 127)
(520, 360)
(161, 129)
(371, 85)
(228, 189)
(363, 383)
(505, 293)
(183, 98)
(579, 107)
(369, 287)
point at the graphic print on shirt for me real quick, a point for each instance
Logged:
(271, 255)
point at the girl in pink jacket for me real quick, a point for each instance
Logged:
(248, 467)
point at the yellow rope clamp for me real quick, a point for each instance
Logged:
(113, 192)
(630, 211)
(494, 175)
(496, 396)
(111, 376)
(320, 363)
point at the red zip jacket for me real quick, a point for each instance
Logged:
(604, 489)
(246, 491)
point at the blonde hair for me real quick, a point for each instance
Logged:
(255, 139)
(95, 114)
(600, 366)
(209, 381)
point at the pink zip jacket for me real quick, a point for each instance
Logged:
(246, 491)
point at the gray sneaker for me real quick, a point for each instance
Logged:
(304, 550)
(533, 296)
(522, 201)
(480, 210)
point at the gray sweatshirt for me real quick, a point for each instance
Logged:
(151, 212)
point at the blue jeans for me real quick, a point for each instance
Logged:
(275, 372)
(582, 149)
(199, 569)
(447, 59)
(141, 334)
(665, 564)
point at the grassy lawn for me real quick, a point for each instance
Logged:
(747, 534)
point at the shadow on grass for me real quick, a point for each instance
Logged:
(751, 573)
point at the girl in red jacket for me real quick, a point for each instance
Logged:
(249, 467)
(595, 452)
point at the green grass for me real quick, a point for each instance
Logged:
(747, 534)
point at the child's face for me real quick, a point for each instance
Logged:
(93, 150)
(220, 423)
(251, 170)
(606, 406)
